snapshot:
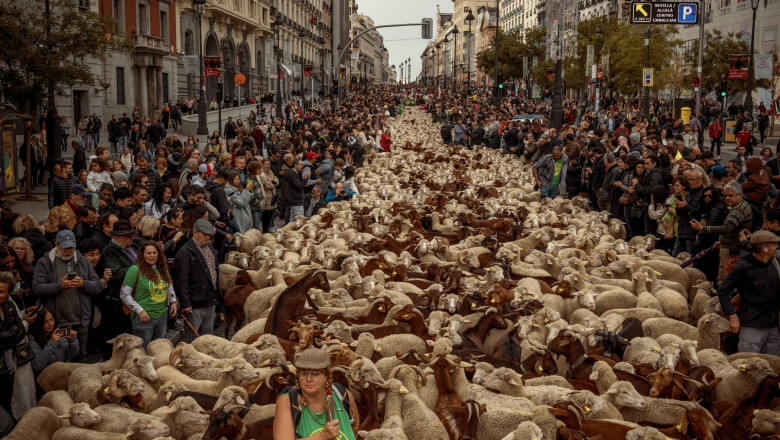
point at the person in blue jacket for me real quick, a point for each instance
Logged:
(338, 193)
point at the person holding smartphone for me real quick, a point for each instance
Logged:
(50, 344)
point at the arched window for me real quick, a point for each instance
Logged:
(189, 43)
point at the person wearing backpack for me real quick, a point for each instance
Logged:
(446, 132)
(303, 411)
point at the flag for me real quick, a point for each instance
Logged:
(313, 21)
(286, 69)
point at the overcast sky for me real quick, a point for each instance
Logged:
(403, 42)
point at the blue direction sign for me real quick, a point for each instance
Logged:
(664, 13)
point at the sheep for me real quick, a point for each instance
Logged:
(57, 375)
(648, 350)
(766, 420)
(525, 431)
(37, 423)
(73, 414)
(160, 350)
(183, 416)
(707, 334)
(502, 378)
(687, 347)
(223, 349)
(73, 433)
(657, 411)
(614, 299)
(742, 381)
(117, 419)
(387, 346)
(87, 385)
(420, 421)
(645, 433)
(235, 371)
(248, 241)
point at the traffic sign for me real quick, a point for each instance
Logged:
(239, 79)
(647, 77)
(697, 81)
(664, 13)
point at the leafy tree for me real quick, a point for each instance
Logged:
(718, 49)
(512, 47)
(48, 53)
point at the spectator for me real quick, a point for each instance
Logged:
(757, 279)
(65, 282)
(170, 234)
(740, 217)
(550, 173)
(239, 202)
(86, 227)
(197, 281)
(57, 220)
(148, 291)
(49, 343)
(338, 194)
(139, 197)
(145, 170)
(76, 201)
(118, 256)
(325, 171)
(12, 332)
(687, 209)
(79, 157)
(160, 202)
(313, 203)
(295, 189)
(270, 182)
(255, 187)
(26, 227)
(58, 186)
(105, 197)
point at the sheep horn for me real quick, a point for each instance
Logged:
(275, 370)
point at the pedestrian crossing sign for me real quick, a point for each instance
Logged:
(647, 77)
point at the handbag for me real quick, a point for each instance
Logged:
(624, 200)
(126, 309)
(23, 353)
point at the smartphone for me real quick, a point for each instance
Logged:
(67, 330)
(675, 168)
(40, 306)
(678, 197)
(70, 276)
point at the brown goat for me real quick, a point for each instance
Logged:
(229, 426)
(235, 298)
(290, 304)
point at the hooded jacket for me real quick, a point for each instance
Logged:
(756, 283)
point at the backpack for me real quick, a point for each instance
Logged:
(445, 131)
(338, 390)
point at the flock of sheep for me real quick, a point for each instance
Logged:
(456, 304)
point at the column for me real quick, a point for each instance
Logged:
(159, 80)
(142, 80)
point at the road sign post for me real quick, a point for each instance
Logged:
(664, 13)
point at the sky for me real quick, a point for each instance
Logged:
(403, 42)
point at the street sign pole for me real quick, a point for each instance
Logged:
(700, 60)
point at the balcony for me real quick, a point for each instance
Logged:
(149, 50)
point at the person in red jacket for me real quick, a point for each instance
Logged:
(385, 141)
(743, 139)
(716, 136)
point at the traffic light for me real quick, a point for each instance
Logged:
(723, 88)
(500, 80)
(219, 92)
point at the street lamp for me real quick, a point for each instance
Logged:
(599, 34)
(557, 101)
(444, 61)
(749, 98)
(455, 31)
(302, 34)
(203, 129)
(470, 18)
(408, 70)
(322, 64)
(277, 23)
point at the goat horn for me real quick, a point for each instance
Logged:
(275, 370)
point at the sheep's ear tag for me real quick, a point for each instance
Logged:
(378, 348)
(743, 367)
(395, 322)
(419, 384)
(105, 390)
(656, 348)
(679, 427)
(381, 308)
(486, 408)
(587, 409)
(755, 411)
(540, 368)
(473, 304)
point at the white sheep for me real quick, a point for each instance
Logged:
(183, 416)
(234, 373)
(73, 414)
(117, 419)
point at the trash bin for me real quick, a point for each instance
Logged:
(685, 115)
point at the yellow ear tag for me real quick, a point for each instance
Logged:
(168, 395)
(395, 322)
(419, 385)
(105, 390)
(381, 308)
(492, 300)
(755, 411)
(587, 409)
(348, 284)
(540, 368)
(473, 304)
(679, 427)
(378, 348)
(743, 367)
(656, 348)
(486, 408)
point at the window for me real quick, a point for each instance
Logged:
(165, 87)
(118, 8)
(143, 19)
(253, 9)
(84, 4)
(189, 43)
(120, 86)
(164, 26)
(769, 35)
(237, 5)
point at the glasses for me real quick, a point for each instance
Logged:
(310, 374)
(707, 196)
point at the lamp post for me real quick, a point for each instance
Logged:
(277, 23)
(322, 65)
(444, 61)
(302, 34)
(408, 70)
(203, 129)
(470, 18)
(599, 34)
(455, 31)
(557, 102)
(749, 98)
(495, 53)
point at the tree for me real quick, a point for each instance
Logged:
(49, 52)
(512, 47)
(718, 49)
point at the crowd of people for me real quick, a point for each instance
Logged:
(136, 231)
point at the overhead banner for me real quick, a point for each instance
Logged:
(763, 63)
(738, 67)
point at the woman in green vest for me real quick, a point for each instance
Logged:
(148, 292)
(303, 411)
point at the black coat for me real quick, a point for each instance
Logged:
(218, 199)
(38, 242)
(477, 136)
(294, 188)
(193, 284)
(12, 331)
(757, 284)
(58, 191)
(691, 211)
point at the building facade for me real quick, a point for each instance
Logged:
(486, 34)
(367, 55)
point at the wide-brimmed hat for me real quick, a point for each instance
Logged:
(761, 237)
(122, 228)
(312, 359)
